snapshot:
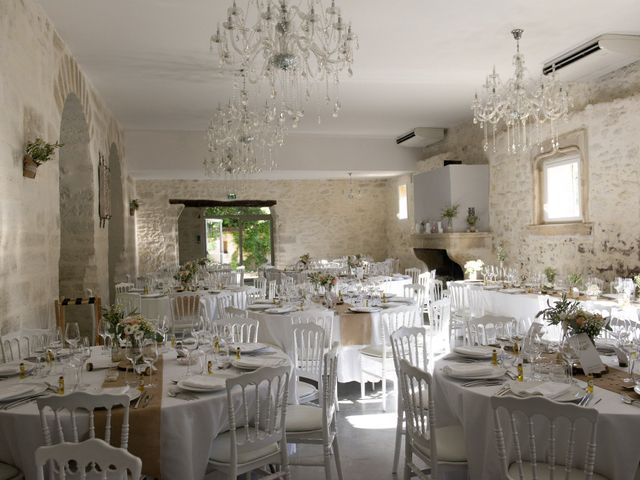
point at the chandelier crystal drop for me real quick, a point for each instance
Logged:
(521, 105)
(241, 141)
(297, 49)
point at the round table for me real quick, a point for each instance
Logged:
(618, 455)
(187, 426)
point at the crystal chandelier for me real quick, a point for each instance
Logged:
(523, 106)
(240, 140)
(295, 48)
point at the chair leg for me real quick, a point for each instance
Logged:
(362, 386)
(336, 457)
(384, 391)
(408, 453)
(327, 462)
(396, 453)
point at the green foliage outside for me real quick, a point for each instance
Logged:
(256, 234)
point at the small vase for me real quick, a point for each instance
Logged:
(117, 354)
(473, 275)
(449, 227)
(29, 167)
(328, 297)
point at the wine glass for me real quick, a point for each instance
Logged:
(190, 343)
(133, 353)
(105, 334)
(83, 354)
(150, 356)
(163, 328)
(72, 334)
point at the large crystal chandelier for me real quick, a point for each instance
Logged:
(240, 140)
(295, 48)
(521, 105)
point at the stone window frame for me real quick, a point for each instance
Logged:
(568, 143)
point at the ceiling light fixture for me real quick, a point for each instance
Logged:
(520, 104)
(293, 47)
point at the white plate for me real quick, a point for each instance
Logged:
(365, 309)
(152, 295)
(574, 394)
(612, 296)
(132, 393)
(253, 363)
(22, 390)
(391, 305)
(497, 373)
(281, 310)
(476, 351)
(512, 290)
(259, 306)
(248, 347)
(217, 386)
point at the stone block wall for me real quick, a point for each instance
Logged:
(37, 76)
(311, 216)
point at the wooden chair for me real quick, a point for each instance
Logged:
(306, 424)
(556, 460)
(410, 344)
(308, 354)
(62, 304)
(376, 361)
(440, 448)
(185, 309)
(92, 458)
(257, 406)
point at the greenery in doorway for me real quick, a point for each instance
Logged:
(256, 234)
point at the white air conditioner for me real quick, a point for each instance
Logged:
(595, 58)
(421, 137)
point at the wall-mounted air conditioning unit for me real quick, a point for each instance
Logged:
(595, 58)
(421, 137)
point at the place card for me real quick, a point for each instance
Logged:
(587, 354)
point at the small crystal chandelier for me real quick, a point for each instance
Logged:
(240, 140)
(292, 47)
(521, 105)
(352, 193)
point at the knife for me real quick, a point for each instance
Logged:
(140, 398)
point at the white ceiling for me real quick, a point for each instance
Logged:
(419, 61)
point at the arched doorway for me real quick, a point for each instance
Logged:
(77, 265)
(116, 223)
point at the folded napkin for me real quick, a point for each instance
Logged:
(257, 362)
(15, 391)
(549, 390)
(100, 363)
(204, 382)
(13, 368)
(474, 351)
(468, 371)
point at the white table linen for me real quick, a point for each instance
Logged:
(618, 455)
(187, 427)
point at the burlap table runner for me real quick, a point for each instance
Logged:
(355, 328)
(612, 380)
(144, 424)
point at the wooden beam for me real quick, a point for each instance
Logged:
(221, 203)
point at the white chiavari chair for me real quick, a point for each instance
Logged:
(557, 459)
(479, 321)
(15, 346)
(439, 332)
(185, 310)
(257, 406)
(123, 287)
(131, 302)
(92, 458)
(242, 330)
(323, 319)
(273, 286)
(459, 309)
(410, 344)
(414, 273)
(441, 448)
(223, 301)
(307, 424)
(416, 292)
(308, 353)
(235, 313)
(261, 284)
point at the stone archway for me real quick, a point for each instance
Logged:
(117, 221)
(77, 264)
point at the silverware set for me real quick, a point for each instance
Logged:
(485, 382)
(143, 400)
(586, 400)
(629, 401)
(21, 401)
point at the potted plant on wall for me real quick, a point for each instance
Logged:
(133, 206)
(35, 154)
(472, 219)
(449, 214)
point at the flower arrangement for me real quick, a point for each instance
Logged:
(41, 151)
(450, 212)
(575, 280)
(593, 290)
(473, 266)
(305, 259)
(323, 279)
(355, 261)
(121, 326)
(573, 319)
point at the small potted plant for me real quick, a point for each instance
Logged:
(35, 154)
(575, 283)
(550, 273)
(133, 206)
(450, 213)
(472, 219)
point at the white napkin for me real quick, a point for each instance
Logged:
(474, 351)
(549, 390)
(468, 370)
(15, 391)
(260, 362)
(100, 363)
(204, 382)
(13, 368)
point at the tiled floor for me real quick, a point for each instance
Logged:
(366, 436)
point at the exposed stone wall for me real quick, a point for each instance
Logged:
(311, 216)
(37, 76)
(609, 109)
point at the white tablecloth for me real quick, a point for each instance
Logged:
(618, 455)
(187, 427)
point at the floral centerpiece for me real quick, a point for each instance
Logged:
(323, 279)
(121, 327)
(573, 319)
(187, 273)
(303, 262)
(472, 267)
(355, 261)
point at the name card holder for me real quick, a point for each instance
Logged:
(587, 354)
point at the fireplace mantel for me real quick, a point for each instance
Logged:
(460, 247)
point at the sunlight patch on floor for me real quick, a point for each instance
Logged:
(376, 421)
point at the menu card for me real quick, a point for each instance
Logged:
(587, 354)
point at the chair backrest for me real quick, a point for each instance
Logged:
(243, 330)
(223, 301)
(392, 321)
(559, 453)
(261, 284)
(458, 296)
(414, 273)
(185, 309)
(37, 339)
(254, 294)
(439, 316)
(329, 386)
(479, 329)
(419, 407)
(308, 345)
(236, 312)
(92, 458)
(69, 406)
(323, 319)
(15, 346)
(415, 291)
(424, 279)
(410, 344)
(476, 301)
(257, 406)
(435, 290)
(123, 287)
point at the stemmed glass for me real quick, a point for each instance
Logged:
(163, 328)
(72, 334)
(190, 343)
(106, 334)
(133, 352)
(82, 355)
(150, 356)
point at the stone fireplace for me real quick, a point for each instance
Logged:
(448, 252)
